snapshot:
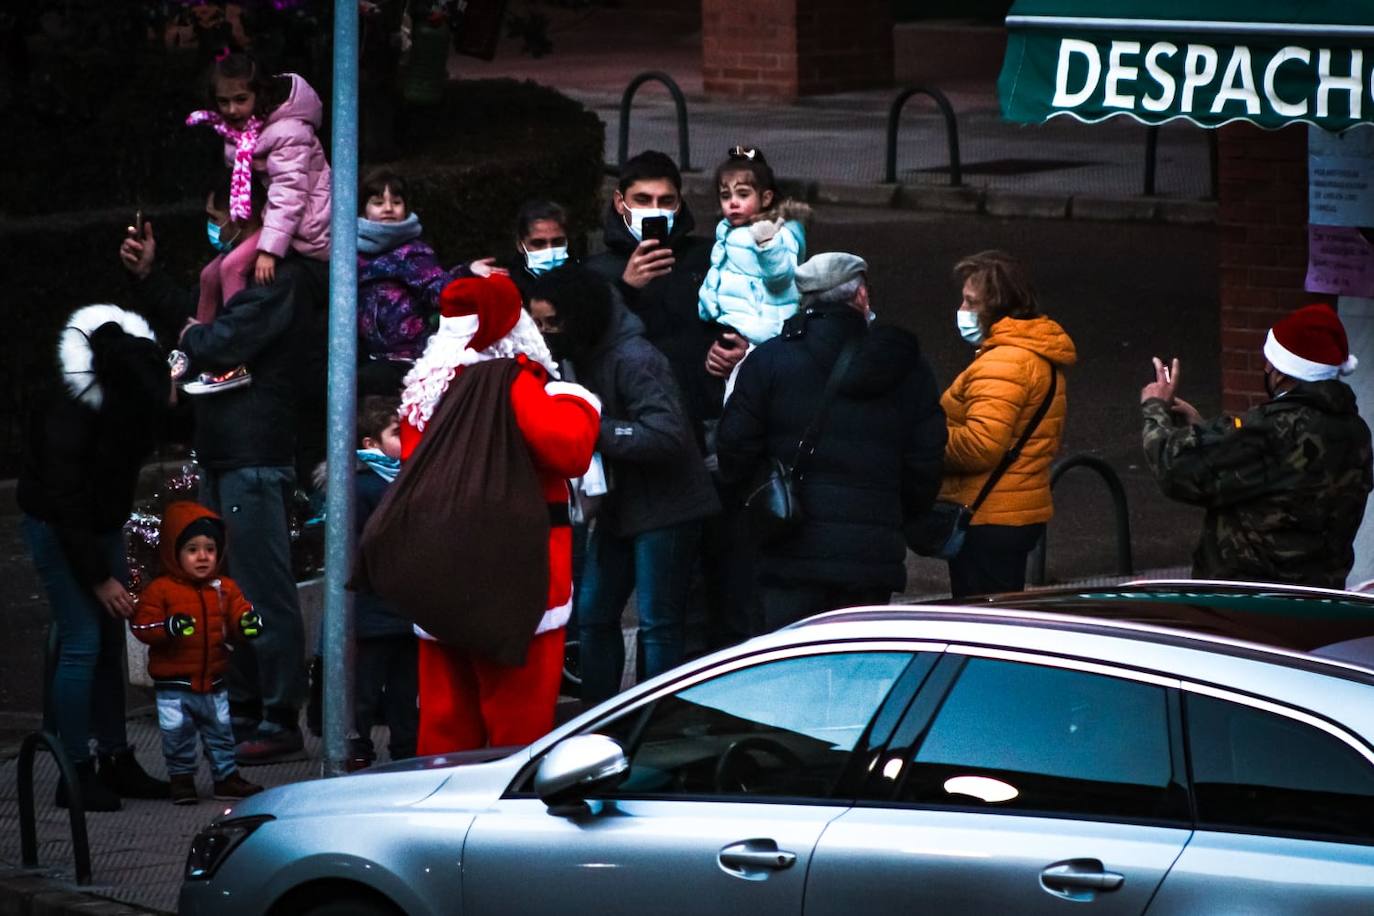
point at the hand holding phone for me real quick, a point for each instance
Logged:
(136, 228)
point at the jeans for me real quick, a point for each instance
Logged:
(267, 674)
(87, 690)
(785, 604)
(385, 687)
(658, 564)
(181, 714)
(993, 559)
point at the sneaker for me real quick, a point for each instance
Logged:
(183, 789)
(276, 745)
(245, 727)
(234, 787)
(215, 382)
(122, 774)
(94, 796)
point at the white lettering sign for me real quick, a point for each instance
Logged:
(1067, 48)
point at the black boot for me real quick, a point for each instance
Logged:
(122, 774)
(94, 796)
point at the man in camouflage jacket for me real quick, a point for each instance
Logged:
(1284, 484)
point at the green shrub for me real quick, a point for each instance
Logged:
(474, 158)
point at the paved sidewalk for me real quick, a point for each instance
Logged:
(840, 139)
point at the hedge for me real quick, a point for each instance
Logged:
(474, 158)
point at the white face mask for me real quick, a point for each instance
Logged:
(545, 260)
(639, 214)
(969, 328)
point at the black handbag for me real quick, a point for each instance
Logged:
(939, 532)
(772, 505)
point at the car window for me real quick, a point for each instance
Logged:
(1258, 771)
(782, 728)
(1037, 739)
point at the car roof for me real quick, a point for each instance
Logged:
(1293, 618)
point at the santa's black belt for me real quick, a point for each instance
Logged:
(558, 515)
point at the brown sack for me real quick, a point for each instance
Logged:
(460, 542)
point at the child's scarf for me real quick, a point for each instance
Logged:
(245, 144)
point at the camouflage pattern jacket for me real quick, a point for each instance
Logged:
(1284, 485)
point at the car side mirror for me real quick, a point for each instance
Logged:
(580, 766)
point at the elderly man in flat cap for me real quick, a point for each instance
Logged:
(864, 398)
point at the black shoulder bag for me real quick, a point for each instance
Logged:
(772, 505)
(940, 532)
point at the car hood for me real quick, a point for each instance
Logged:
(400, 785)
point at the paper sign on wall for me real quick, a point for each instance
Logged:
(1339, 260)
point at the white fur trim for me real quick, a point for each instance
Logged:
(74, 356)
(1293, 365)
(575, 390)
(447, 352)
(1350, 364)
(555, 617)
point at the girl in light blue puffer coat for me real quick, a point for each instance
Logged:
(760, 240)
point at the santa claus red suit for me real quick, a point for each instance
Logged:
(467, 701)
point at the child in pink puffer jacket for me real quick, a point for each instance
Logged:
(268, 124)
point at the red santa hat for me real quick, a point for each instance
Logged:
(1310, 344)
(486, 307)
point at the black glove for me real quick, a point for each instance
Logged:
(181, 625)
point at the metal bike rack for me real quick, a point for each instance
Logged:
(1124, 564)
(684, 151)
(951, 132)
(76, 807)
(1152, 159)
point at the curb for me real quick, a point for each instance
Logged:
(970, 200)
(25, 892)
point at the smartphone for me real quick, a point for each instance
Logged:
(136, 227)
(654, 227)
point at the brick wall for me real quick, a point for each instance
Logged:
(780, 49)
(1262, 217)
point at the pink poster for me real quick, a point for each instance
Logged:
(1340, 261)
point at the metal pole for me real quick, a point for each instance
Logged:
(342, 410)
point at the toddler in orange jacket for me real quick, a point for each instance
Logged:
(186, 616)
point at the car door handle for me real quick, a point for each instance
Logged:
(752, 855)
(1081, 875)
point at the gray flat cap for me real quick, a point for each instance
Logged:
(827, 271)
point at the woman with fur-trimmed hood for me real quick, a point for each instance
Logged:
(760, 240)
(82, 455)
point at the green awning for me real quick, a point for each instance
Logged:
(1271, 62)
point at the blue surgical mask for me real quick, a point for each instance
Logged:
(212, 232)
(539, 262)
(639, 214)
(969, 327)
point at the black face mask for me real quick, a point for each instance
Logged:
(1269, 388)
(558, 346)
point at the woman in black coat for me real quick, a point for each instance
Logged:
(83, 454)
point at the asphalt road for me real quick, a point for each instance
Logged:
(1124, 292)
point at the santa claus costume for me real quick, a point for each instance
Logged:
(467, 701)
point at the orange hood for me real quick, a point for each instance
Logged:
(1042, 335)
(175, 519)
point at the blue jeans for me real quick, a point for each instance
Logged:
(181, 715)
(659, 564)
(267, 674)
(87, 690)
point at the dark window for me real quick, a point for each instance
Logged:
(783, 728)
(1028, 738)
(1256, 771)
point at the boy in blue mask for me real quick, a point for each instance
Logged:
(385, 673)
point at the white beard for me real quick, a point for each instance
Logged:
(447, 352)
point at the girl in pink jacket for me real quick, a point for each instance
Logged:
(268, 124)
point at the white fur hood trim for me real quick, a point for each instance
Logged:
(74, 356)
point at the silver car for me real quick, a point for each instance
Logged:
(875, 761)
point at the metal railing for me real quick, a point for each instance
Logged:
(1152, 160)
(894, 113)
(684, 149)
(1124, 564)
(76, 809)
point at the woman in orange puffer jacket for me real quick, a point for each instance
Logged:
(988, 408)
